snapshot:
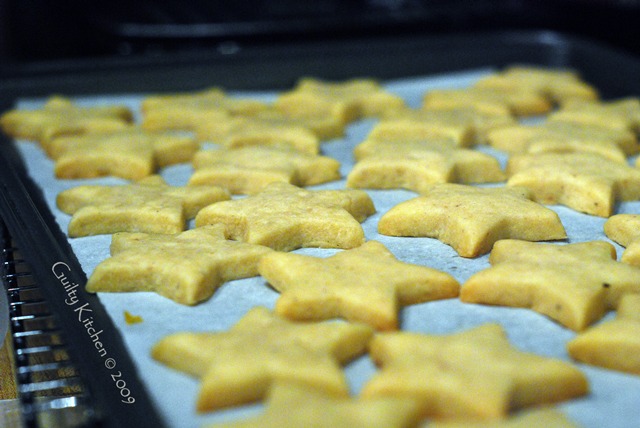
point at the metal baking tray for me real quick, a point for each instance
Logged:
(34, 241)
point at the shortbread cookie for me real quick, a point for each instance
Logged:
(361, 97)
(249, 169)
(366, 284)
(61, 116)
(516, 101)
(617, 114)
(416, 165)
(585, 182)
(561, 137)
(237, 132)
(560, 85)
(573, 284)
(150, 206)
(475, 373)
(240, 365)
(625, 230)
(402, 129)
(471, 219)
(285, 217)
(187, 267)
(293, 405)
(130, 153)
(187, 110)
(613, 344)
(538, 417)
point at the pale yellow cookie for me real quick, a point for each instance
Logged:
(366, 284)
(471, 219)
(613, 344)
(559, 85)
(291, 405)
(187, 267)
(564, 137)
(187, 110)
(61, 116)
(249, 169)
(240, 365)
(237, 132)
(150, 206)
(617, 114)
(500, 101)
(129, 153)
(416, 165)
(475, 373)
(585, 182)
(537, 417)
(573, 284)
(285, 217)
(625, 230)
(402, 129)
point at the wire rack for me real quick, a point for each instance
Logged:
(51, 392)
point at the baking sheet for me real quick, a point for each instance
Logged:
(614, 399)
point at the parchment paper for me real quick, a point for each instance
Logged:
(614, 400)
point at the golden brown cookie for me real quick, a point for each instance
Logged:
(150, 206)
(585, 182)
(240, 365)
(61, 116)
(187, 267)
(249, 169)
(564, 137)
(471, 219)
(416, 165)
(366, 284)
(475, 373)
(291, 405)
(285, 217)
(573, 284)
(129, 153)
(625, 230)
(613, 344)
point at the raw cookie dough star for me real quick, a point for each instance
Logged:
(239, 365)
(416, 165)
(365, 284)
(613, 344)
(292, 405)
(187, 267)
(60, 116)
(471, 219)
(585, 182)
(131, 153)
(285, 217)
(249, 170)
(150, 205)
(625, 230)
(573, 284)
(475, 373)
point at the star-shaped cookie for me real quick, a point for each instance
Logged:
(475, 373)
(285, 217)
(585, 182)
(248, 170)
(239, 365)
(459, 134)
(573, 284)
(471, 219)
(130, 153)
(365, 284)
(618, 114)
(291, 405)
(547, 417)
(613, 344)
(187, 267)
(61, 116)
(416, 165)
(150, 205)
(625, 230)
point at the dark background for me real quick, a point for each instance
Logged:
(34, 31)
